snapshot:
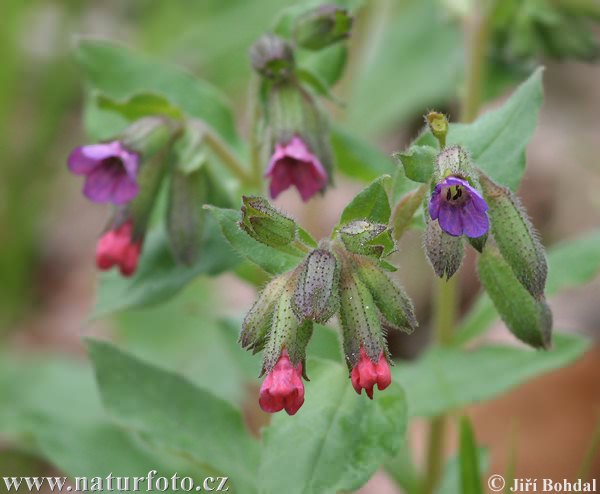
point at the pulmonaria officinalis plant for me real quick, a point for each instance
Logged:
(319, 305)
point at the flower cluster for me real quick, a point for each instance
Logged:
(296, 133)
(340, 276)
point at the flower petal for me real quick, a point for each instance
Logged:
(124, 190)
(450, 219)
(475, 222)
(99, 184)
(435, 202)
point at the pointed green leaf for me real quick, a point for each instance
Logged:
(418, 162)
(120, 74)
(371, 204)
(470, 476)
(170, 411)
(443, 379)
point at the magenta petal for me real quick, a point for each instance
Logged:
(124, 190)
(99, 185)
(307, 180)
(450, 220)
(281, 179)
(475, 222)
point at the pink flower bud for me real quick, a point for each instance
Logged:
(283, 387)
(294, 164)
(117, 248)
(366, 374)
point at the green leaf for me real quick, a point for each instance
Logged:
(570, 264)
(337, 440)
(357, 159)
(272, 260)
(371, 204)
(413, 61)
(158, 276)
(450, 378)
(140, 105)
(470, 476)
(52, 410)
(120, 74)
(497, 140)
(170, 411)
(418, 162)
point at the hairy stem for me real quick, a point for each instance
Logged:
(447, 291)
(223, 152)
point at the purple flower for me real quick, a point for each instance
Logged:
(459, 208)
(294, 164)
(110, 170)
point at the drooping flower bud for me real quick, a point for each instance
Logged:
(272, 57)
(322, 27)
(316, 297)
(529, 318)
(118, 247)
(266, 224)
(367, 373)
(515, 236)
(359, 317)
(112, 168)
(445, 252)
(366, 238)
(257, 323)
(283, 387)
(394, 305)
(299, 151)
(438, 125)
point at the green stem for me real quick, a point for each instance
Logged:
(223, 152)
(254, 120)
(447, 291)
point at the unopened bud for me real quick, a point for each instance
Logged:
(527, 317)
(445, 252)
(264, 223)
(287, 331)
(322, 27)
(438, 125)
(516, 238)
(272, 57)
(366, 238)
(258, 321)
(391, 299)
(316, 297)
(185, 214)
(359, 319)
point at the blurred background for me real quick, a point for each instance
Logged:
(405, 57)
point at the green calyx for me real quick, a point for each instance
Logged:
(323, 27)
(515, 236)
(529, 318)
(445, 252)
(266, 224)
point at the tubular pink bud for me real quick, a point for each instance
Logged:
(117, 248)
(283, 387)
(366, 374)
